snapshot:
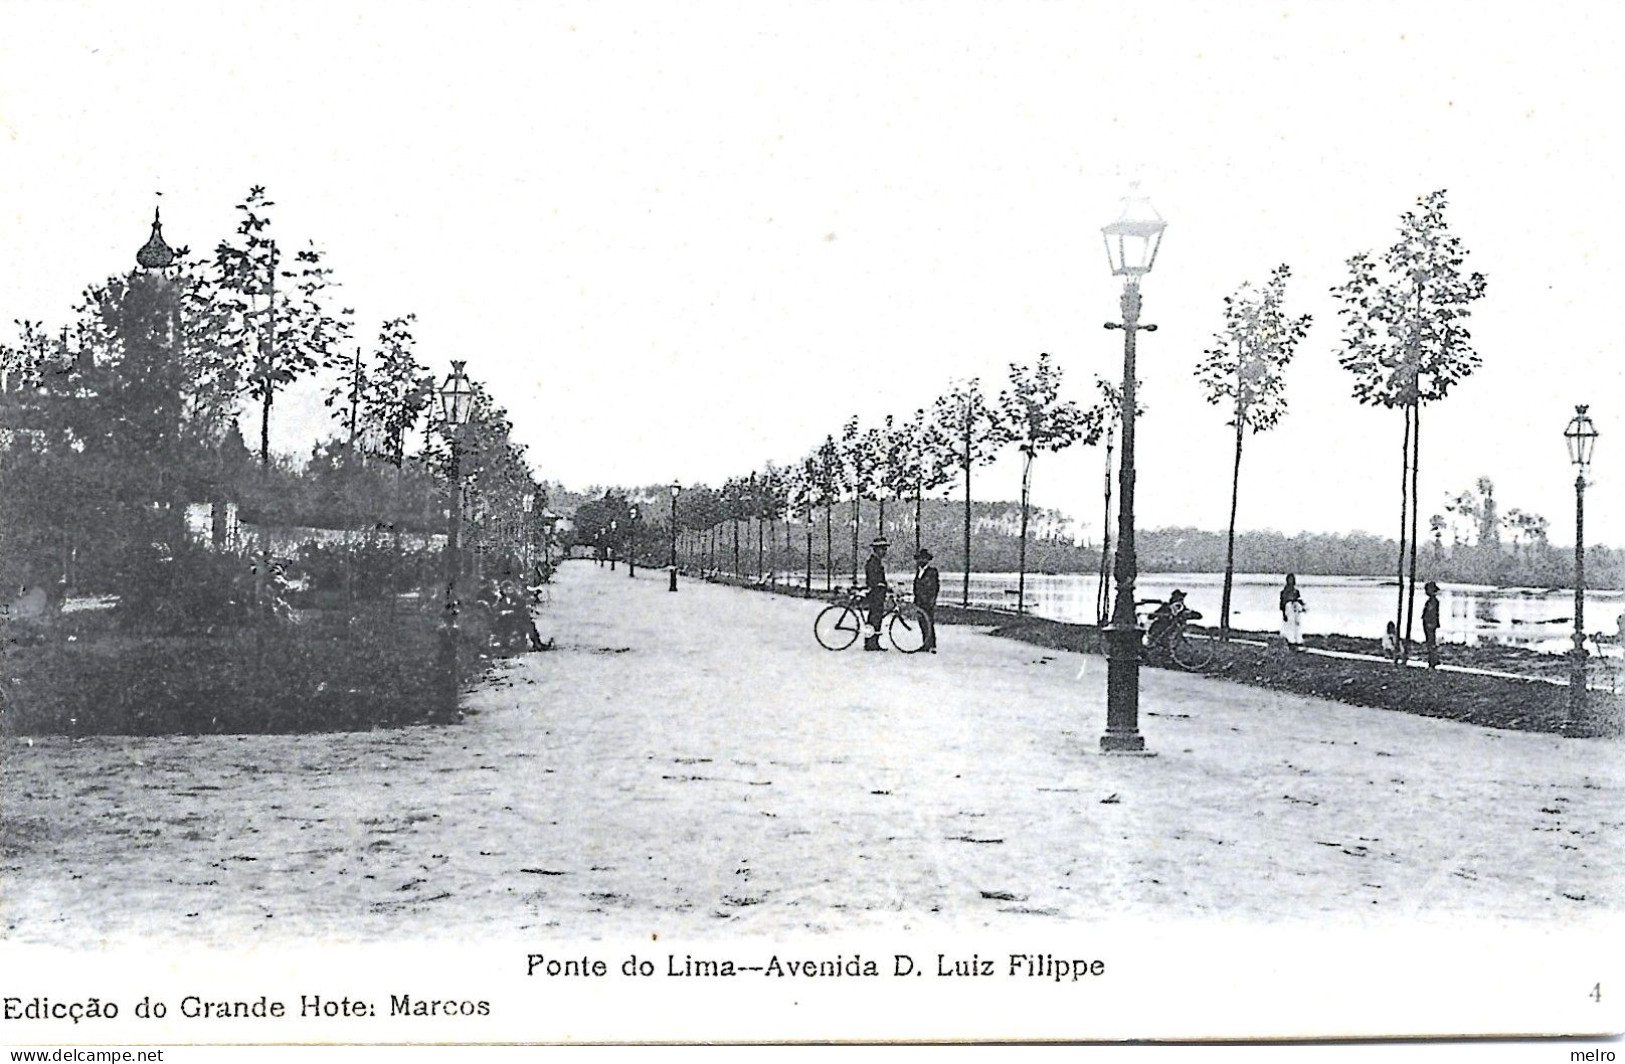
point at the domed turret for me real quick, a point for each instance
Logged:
(155, 254)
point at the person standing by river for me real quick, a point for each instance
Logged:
(1430, 623)
(1292, 608)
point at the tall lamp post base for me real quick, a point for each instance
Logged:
(1122, 692)
(1577, 684)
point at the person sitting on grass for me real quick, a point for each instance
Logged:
(1390, 643)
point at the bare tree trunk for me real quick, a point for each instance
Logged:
(829, 546)
(809, 522)
(1404, 512)
(270, 358)
(1416, 508)
(965, 594)
(1230, 546)
(918, 507)
(857, 524)
(1021, 565)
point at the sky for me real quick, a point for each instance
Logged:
(679, 241)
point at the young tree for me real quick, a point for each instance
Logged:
(775, 507)
(1033, 416)
(805, 493)
(1243, 371)
(736, 501)
(860, 459)
(916, 462)
(346, 397)
(400, 390)
(967, 424)
(282, 330)
(1406, 343)
(831, 486)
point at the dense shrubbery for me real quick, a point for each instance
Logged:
(193, 590)
(329, 671)
(366, 570)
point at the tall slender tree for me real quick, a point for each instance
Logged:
(400, 390)
(1244, 372)
(279, 320)
(1406, 343)
(805, 493)
(967, 424)
(1034, 417)
(831, 486)
(861, 462)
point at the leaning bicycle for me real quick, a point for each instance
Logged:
(839, 624)
(1166, 638)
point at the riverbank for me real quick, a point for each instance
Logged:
(1528, 703)
(1525, 700)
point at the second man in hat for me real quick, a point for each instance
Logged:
(927, 582)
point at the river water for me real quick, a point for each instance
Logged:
(1537, 618)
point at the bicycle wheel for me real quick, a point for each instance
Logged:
(1190, 655)
(837, 627)
(906, 629)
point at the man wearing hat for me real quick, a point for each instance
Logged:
(1430, 622)
(874, 574)
(927, 582)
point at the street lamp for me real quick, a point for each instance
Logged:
(1131, 248)
(676, 488)
(614, 541)
(1581, 436)
(632, 542)
(526, 544)
(456, 397)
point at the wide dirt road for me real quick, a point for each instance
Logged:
(694, 764)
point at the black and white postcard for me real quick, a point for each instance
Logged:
(810, 522)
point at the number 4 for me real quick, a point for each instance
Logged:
(1596, 993)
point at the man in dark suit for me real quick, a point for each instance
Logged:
(927, 582)
(874, 575)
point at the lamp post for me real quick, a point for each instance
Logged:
(614, 541)
(549, 522)
(676, 488)
(1131, 248)
(1581, 436)
(455, 404)
(632, 543)
(528, 543)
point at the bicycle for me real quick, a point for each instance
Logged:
(839, 624)
(1173, 642)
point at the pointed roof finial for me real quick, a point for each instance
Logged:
(155, 254)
